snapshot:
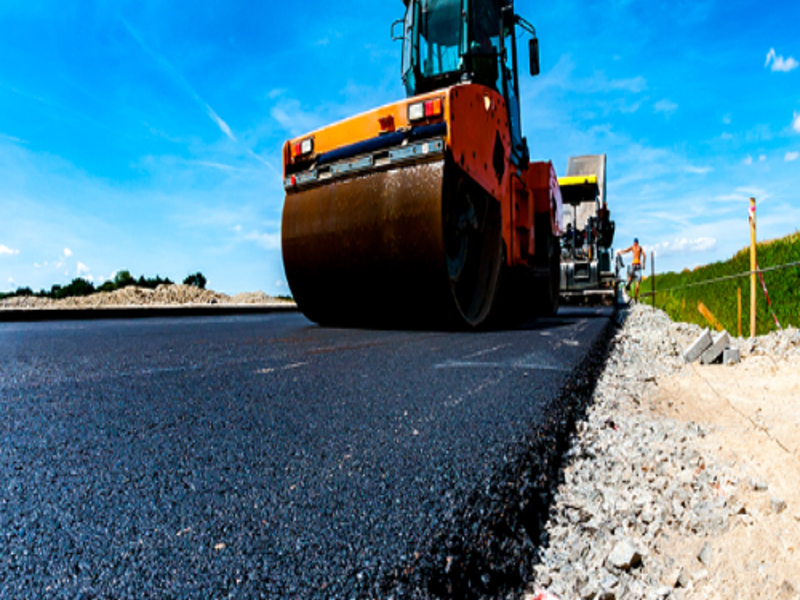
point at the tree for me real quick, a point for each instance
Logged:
(197, 280)
(123, 279)
(153, 282)
(78, 287)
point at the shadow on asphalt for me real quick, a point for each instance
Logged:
(566, 317)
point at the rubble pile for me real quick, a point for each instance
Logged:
(635, 480)
(163, 295)
(781, 344)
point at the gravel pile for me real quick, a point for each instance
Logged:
(633, 481)
(163, 295)
(781, 344)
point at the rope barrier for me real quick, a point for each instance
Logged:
(769, 302)
(730, 277)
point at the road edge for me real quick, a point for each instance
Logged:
(33, 315)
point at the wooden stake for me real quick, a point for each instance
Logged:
(709, 316)
(739, 294)
(753, 267)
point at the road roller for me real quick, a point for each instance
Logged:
(429, 212)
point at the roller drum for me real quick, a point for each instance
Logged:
(418, 245)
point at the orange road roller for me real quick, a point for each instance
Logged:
(428, 212)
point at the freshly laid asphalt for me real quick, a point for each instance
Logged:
(265, 457)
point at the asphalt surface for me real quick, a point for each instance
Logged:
(265, 457)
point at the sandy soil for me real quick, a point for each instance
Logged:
(752, 412)
(163, 295)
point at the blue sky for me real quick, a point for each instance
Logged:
(146, 135)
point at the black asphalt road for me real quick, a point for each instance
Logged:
(265, 457)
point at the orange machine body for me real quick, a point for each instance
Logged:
(472, 121)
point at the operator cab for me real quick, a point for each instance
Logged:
(446, 42)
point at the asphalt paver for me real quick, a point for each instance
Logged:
(266, 457)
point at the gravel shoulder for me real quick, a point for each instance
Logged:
(684, 480)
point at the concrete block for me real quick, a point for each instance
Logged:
(731, 356)
(700, 345)
(716, 349)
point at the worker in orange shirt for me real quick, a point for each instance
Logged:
(639, 259)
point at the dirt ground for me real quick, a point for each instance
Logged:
(752, 413)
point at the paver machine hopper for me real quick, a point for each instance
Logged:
(428, 211)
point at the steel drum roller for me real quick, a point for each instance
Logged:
(414, 245)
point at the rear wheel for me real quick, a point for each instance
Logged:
(547, 298)
(472, 225)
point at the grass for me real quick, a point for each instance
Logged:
(721, 298)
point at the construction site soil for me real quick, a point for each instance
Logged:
(683, 481)
(163, 295)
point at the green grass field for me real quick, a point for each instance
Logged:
(721, 298)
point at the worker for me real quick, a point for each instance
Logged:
(570, 235)
(639, 258)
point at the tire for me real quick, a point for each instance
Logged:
(473, 242)
(547, 297)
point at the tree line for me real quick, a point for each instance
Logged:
(122, 279)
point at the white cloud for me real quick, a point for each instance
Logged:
(215, 165)
(731, 198)
(727, 119)
(762, 158)
(268, 241)
(11, 280)
(683, 246)
(796, 122)
(279, 283)
(635, 84)
(223, 126)
(748, 160)
(754, 192)
(11, 138)
(67, 252)
(82, 268)
(166, 65)
(290, 116)
(6, 251)
(743, 194)
(665, 106)
(790, 156)
(699, 170)
(779, 63)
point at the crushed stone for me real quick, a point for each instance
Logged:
(634, 480)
